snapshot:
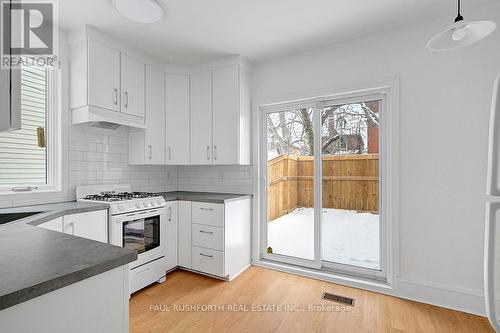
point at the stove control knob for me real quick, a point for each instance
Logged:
(152, 203)
(121, 207)
(138, 205)
(158, 202)
(145, 204)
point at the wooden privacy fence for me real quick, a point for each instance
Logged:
(349, 182)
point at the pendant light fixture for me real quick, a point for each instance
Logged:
(141, 11)
(461, 33)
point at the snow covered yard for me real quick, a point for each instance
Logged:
(349, 237)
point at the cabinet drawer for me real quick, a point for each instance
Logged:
(208, 214)
(208, 261)
(208, 236)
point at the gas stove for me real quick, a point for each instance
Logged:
(113, 196)
(120, 198)
(138, 222)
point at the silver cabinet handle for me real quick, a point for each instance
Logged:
(206, 232)
(210, 209)
(72, 226)
(169, 153)
(215, 152)
(208, 152)
(150, 151)
(126, 99)
(206, 255)
(115, 101)
(169, 213)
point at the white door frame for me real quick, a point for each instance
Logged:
(388, 92)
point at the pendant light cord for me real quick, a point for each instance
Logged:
(459, 15)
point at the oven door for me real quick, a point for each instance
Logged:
(143, 231)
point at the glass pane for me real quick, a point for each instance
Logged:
(290, 192)
(23, 152)
(142, 235)
(350, 184)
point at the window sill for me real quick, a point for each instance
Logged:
(42, 190)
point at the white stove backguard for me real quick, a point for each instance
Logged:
(83, 191)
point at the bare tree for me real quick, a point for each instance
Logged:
(344, 129)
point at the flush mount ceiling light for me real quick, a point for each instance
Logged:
(461, 33)
(142, 11)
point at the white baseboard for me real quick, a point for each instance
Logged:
(443, 296)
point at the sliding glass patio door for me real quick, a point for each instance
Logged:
(292, 214)
(321, 163)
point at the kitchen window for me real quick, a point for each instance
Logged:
(29, 156)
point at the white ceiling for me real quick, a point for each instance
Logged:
(194, 31)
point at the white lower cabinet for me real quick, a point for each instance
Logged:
(54, 225)
(90, 225)
(184, 239)
(172, 231)
(215, 238)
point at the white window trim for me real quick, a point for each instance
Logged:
(389, 188)
(54, 143)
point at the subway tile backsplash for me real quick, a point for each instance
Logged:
(100, 156)
(228, 179)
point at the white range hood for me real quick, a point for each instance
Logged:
(99, 117)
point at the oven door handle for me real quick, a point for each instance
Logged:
(139, 215)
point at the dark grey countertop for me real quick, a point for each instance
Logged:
(36, 261)
(202, 196)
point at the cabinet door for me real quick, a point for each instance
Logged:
(184, 222)
(91, 225)
(132, 86)
(155, 116)
(172, 231)
(177, 129)
(201, 118)
(226, 115)
(104, 76)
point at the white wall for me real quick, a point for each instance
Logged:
(444, 111)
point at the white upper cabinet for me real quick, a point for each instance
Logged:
(177, 127)
(148, 146)
(132, 86)
(107, 77)
(220, 116)
(225, 115)
(201, 118)
(155, 116)
(103, 76)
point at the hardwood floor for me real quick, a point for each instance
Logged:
(163, 307)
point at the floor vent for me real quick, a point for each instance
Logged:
(339, 299)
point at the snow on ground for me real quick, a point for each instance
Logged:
(349, 237)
